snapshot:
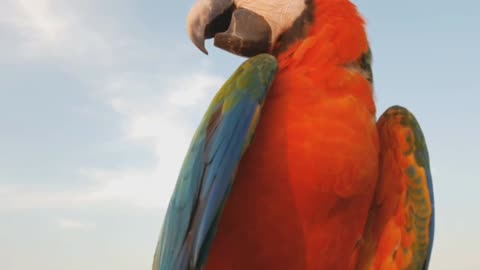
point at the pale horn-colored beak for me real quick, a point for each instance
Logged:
(208, 17)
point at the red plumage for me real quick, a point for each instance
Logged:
(304, 187)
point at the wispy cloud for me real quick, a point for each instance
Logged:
(39, 17)
(193, 90)
(46, 29)
(72, 224)
(21, 197)
(156, 121)
(154, 109)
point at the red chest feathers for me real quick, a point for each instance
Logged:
(304, 186)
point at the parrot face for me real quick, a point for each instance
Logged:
(247, 27)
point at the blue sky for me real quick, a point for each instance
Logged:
(99, 100)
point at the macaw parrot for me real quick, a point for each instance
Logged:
(289, 168)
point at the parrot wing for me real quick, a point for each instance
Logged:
(399, 231)
(210, 166)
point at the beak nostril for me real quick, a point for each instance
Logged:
(220, 23)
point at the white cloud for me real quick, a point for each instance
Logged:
(14, 197)
(37, 16)
(46, 30)
(157, 111)
(194, 89)
(72, 224)
(151, 120)
(158, 122)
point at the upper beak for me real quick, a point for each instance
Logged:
(237, 30)
(207, 17)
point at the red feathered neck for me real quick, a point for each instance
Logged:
(336, 34)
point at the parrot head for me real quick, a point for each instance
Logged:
(249, 27)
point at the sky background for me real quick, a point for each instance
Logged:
(99, 100)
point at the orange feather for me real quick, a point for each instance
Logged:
(304, 187)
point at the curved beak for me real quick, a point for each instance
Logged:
(237, 30)
(207, 17)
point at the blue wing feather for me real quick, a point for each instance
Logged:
(209, 169)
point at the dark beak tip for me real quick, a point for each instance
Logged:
(199, 42)
(203, 49)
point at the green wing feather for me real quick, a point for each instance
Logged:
(209, 169)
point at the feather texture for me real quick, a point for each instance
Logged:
(322, 186)
(209, 169)
(399, 234)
